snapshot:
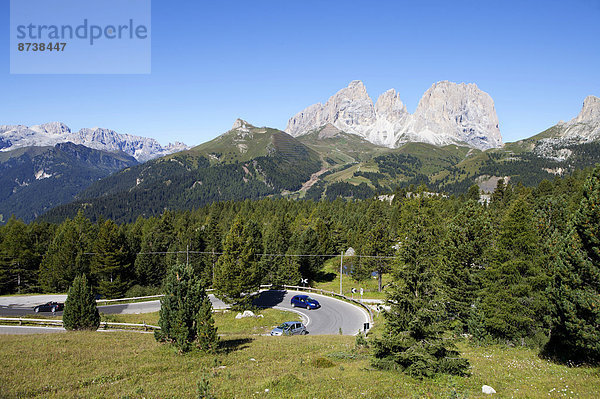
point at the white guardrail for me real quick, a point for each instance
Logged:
(52, 322)
(106, 324)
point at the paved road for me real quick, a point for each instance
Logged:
(17, 330)
(328, 319)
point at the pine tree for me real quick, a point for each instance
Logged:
(575, 288)
(185, 311)
(206, 332)
(80, 311)
(413, 339)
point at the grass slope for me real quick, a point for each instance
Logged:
(133, 365)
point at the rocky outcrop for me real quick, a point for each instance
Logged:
(447, 113)
(50, 134)
(584, 127)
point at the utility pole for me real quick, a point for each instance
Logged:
(187, 255)
(341, 270)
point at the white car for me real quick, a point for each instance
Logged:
(290, 328)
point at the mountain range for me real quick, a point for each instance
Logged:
(348, 148)
(50, 134)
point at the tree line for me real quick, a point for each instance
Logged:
(522, 268)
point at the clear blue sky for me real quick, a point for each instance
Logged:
(266, 60)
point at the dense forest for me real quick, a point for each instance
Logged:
(522, 268)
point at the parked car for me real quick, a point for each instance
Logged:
(49, 307)
(290, 328)
(304, 301)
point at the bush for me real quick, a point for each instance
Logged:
(138, 290)
(80, 311)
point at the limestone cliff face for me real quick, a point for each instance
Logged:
(585, 126)
(447, 113)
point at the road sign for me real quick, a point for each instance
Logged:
(361, 292)
(354, 290)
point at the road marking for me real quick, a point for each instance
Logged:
(305, 318)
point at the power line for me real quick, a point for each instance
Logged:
(259, 254)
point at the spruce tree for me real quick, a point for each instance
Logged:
(80, 311)
(466, 247)
(575, 288)
(237, 270)
(110, 267)
(185, 311)
(513, 299)
(413, 340)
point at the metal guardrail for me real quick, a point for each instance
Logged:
(103, 324)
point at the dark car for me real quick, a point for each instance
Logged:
(304, 301)
(290, 328)
(49, 307)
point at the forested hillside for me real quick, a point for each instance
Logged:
(35, 179)
(498, 265)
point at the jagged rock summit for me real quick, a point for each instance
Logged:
(584, 127)
(448, 113)
(50, 134)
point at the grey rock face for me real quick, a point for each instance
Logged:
(447, 113)
(50, 134)
(585, 126)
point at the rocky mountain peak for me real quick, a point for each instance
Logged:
(590, 112)
(52, 128)
(241, 124)
(447, 113)
(390, 106)
(329, 131)
(584, 127)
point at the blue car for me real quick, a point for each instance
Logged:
(304, 301)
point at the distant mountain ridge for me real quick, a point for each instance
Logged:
(36, 179)
(448, 113)
(49, 134)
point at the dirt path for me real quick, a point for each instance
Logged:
(313, 179)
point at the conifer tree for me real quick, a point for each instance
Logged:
(81, 312)
(65, 258)
(237, 270)
(109, 265)
(467, 246)
(575, 288)
(185, 311)
(513, 299)
(206, 332)
(413, 339)
(378, 244)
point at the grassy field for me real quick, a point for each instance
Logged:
(133, 365)
(331, 268)
(224, 320)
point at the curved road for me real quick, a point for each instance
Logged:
(332, 316)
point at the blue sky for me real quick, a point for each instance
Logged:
(266, 60)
